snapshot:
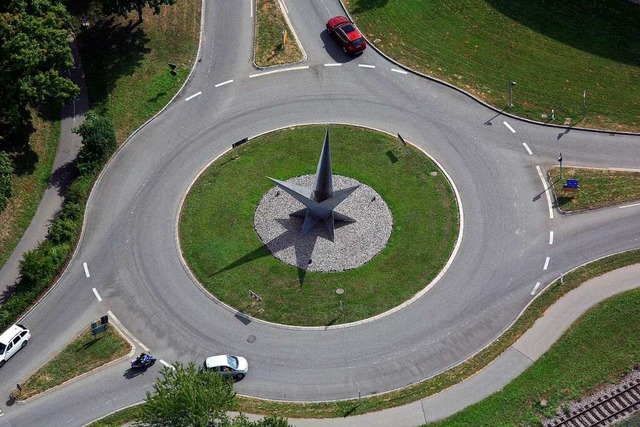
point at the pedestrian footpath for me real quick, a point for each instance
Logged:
(513, 362)
(72, 115)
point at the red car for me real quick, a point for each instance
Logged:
(347, 34)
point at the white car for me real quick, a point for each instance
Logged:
(12, 340)
(225, 364)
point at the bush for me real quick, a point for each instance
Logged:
(6, 173)
(98, 142)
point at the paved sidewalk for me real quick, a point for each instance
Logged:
(533, 344)
(72, 115)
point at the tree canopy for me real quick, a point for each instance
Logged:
(6, 171)
(34, 49)
(187, 396)
(123, 7)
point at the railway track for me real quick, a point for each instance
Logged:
(622, 401)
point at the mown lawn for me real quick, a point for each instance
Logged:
(82, 355)
(598, 187)
(554, 50)
(221, 247)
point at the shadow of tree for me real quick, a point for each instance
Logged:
(607, 29)
(361, 6)
(15, 142)
(110, 49)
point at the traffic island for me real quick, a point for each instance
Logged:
(225, 253)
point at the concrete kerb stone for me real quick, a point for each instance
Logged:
(113, 412)
(91, 372)
(418, 295)
(478, 100)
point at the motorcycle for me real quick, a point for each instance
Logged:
(144, 360)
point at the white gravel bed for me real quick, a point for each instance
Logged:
(354, 243)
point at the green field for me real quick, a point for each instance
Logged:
(554, 50)
(221, 247)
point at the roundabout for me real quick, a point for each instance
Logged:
(514, 244)
(247, 241)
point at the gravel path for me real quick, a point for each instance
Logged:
(354, 243)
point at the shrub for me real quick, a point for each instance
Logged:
(6, 173)
(98, 142)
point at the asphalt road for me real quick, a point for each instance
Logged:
(131, 253)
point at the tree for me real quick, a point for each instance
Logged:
(186, 396)
(98, 142)
(123, 7)
(6, 173)
(34, 47)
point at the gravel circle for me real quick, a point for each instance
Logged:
(354, 243)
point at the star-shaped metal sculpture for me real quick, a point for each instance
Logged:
(320, 201)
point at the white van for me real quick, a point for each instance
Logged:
(12, 340)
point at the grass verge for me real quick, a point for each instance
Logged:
(33, 170)
(119, 418)
(598, 188)
(84, 354)
(597, 349)
(269, 47)
(553, 50)
(224, 252)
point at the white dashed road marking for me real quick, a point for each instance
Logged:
(395, 70)
(551, 237)
(223, 83)
(86, 269)
(95, 291)
(535, 288)
(509, 127)
(168, 365)
(526, 147)
(630, 206)
(546, 263)
(193, 96)
(303, 67)
(546, 191)
(366, 66)
(333, 64)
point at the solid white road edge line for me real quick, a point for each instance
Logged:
(223, 83)
(527, 148)
(509, 127)
(546, 263)
(630, 206)
(95, 291)
(551, 237)
(546, 191)
(168, 365)
(86, 269)
(395, 70)
(193, 96)
(251, 4)
(126, 331)
(535, 288)
(304, 67)
(366, 66)
(333, 64)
